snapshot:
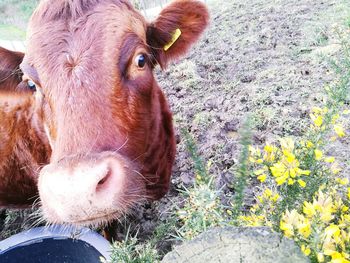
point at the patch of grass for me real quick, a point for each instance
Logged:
(319, 33)
(187, 75)
(130, 250)
(14, 18)
(202, 119)
(263, 117)
(22, 9)
(321, 37)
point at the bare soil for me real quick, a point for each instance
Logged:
(259, 58)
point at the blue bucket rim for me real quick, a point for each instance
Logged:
(57, 232)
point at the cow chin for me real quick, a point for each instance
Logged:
(93, 190)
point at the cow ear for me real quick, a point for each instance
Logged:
(10, 60)
(177, 27)
(10, 74)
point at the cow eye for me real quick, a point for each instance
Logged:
(140, 60)
(31, 85)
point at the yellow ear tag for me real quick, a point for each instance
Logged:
(174, 38)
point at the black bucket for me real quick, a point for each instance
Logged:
(55, 244)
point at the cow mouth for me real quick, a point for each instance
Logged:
(98, 220)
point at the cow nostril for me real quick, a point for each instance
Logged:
(105, 178)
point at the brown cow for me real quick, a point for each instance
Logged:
(22, 146)
(96, 118)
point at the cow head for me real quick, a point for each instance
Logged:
(90, 67)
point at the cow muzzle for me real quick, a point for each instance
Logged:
(88, 191)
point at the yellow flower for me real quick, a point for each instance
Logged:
(324, 206)
(270, 153)
(304, 227)
(322, 187)
(317, 120)
(329, 159)
(275, 198)
(301, 183)
(281, 180)
(335, 169)
(332, 230)
(309, 144)
(339, 130)
(254, 150)
(304, 172)
(342, 181)
(305, 250)
(288, 167)
(287, 229)
(308, 209)
(268, 148)
(209, 164)
(335, 118)
(336, 256)
(316, 110)
(339, 205)
(346, 112)
(253, 220)
(317, 116)
(267, 193)
(318, 155)
(262, 178)
(289, 222)
(333, 138)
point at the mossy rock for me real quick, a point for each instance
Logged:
(241, 245)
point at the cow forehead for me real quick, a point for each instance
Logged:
(93, 36)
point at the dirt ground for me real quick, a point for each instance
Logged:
(259, 58)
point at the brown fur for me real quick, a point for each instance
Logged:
(22, 151)
(90, 94)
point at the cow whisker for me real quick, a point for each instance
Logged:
(122, 146)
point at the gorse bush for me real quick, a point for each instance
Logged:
(303, 197)
(295, 169)
(202, 206)
(202, 209)
(302, 193)
(130, 250)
